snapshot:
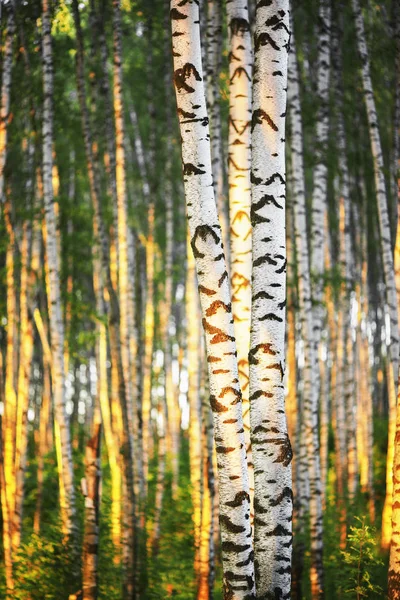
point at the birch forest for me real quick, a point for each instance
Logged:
(199, 299)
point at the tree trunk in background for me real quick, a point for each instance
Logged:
(387, 258)
(91, 485)
(239, 163)
(9, 418)
(194, 374)
(272, 453)
(320, 173)
(213, 280)
(5, 91)
(62, 433)
(125, 299)
(310, 400)
(212, 72)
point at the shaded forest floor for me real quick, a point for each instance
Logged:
(44, 569)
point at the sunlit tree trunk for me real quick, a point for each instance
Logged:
(239, 162)
(5, 90)
(62, 433)
(100, 279)
(310, 400)
(91, 490)
(125, 294)
(271, 447)
(212, 72)
(213, 284)
(9, 418)
(194, 372)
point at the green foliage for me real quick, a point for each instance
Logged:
(360, 559)
(45, 568)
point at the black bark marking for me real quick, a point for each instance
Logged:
(181, 75)
(239, 26)
(230, 526)
(222, 278)
(224, 449)
(211, 359)
(270, 317)
(176, 15)
(202, 231)
(260, 393)
(262, 296)
(234, 548)
(286, 493)
(265, 259)
(282, 268)
(238, 500)
(273, 177)
(259, 116)
(217, 406)
(190, 169)
(186, 115)
(214, 306)
(219, 335)
(232, 390)
(263, 39)
(203, 290)
(285, 454)
(266, 349)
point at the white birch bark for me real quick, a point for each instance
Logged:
(206, 242)
(310, 396)
(320, 173)
(271, 447)
(239, 162)
(212, 71)
(65, 467)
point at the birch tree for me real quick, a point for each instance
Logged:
(239, 162)
(63, 441)
(213, 285)
(271, 447)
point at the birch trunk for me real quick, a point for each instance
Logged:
(212, 72)
(320, 173)
(193, 340)
(64, 451)
(125, 294)
(239, 163)
(101, 277)
(271, 447)
(206, 243)
(310, 401)
(5, 90)
(91, 485)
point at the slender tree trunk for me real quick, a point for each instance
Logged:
(212, 72)
(310, 401)
(125, 291)
(271, 447)
(213, 280)
(10, 408)
(320, 173)
(239, 163)
(5, 90)
(63, 441)
(91, 488)
(194, 345)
